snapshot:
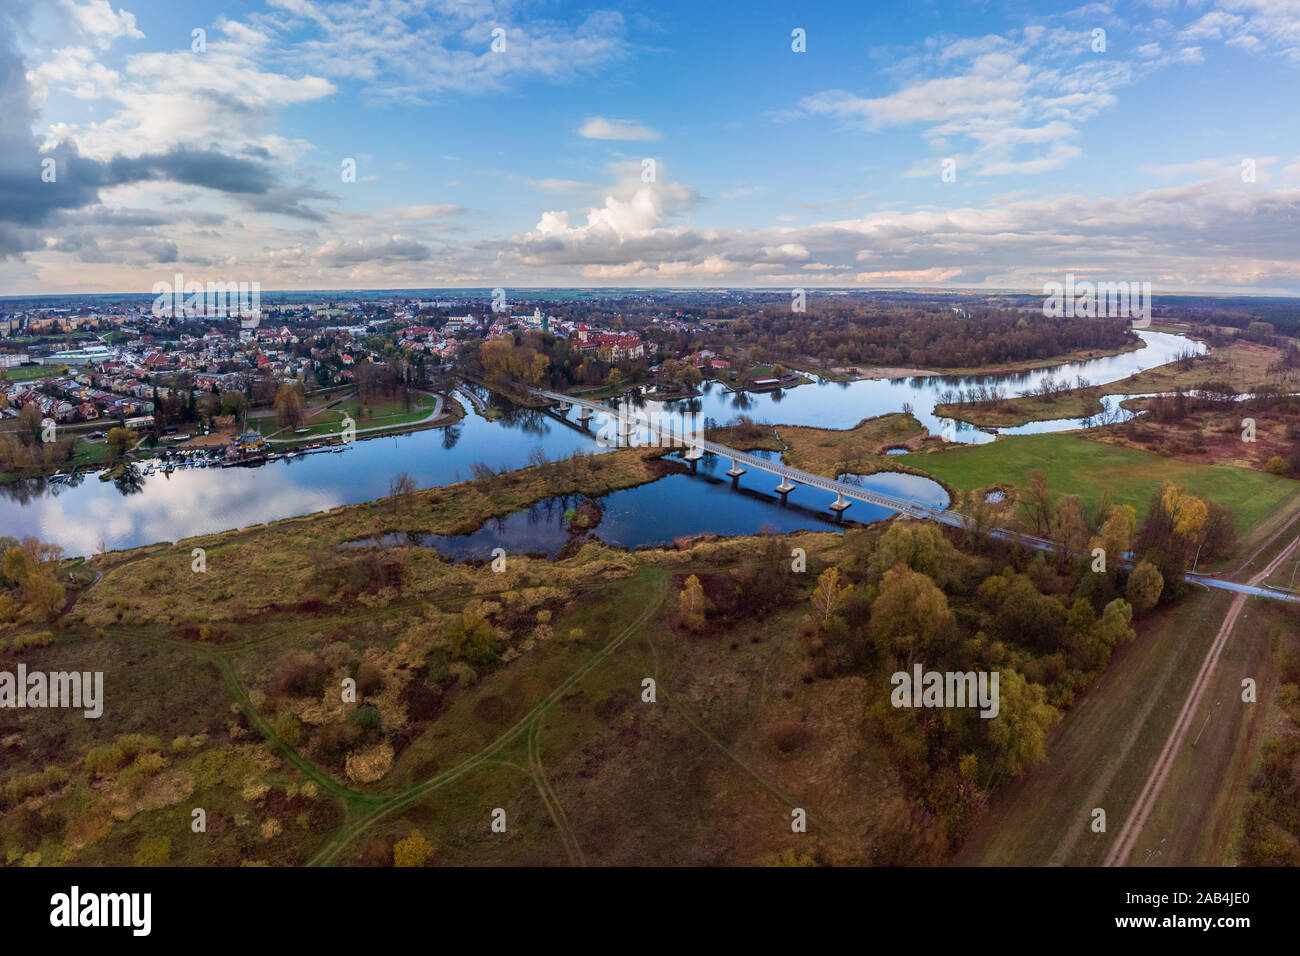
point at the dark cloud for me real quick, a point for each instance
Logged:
(287, 201)
(30, 204)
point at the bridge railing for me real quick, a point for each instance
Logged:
(915, 508)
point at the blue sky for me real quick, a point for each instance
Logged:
(772, 167)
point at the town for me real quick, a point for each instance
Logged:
(93, 367)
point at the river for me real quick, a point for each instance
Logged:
(92, 514)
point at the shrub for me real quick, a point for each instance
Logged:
(104, 759)
(790, 735)
(1276, 466)
(365, 717)
(24, 641)
(153, 851)
(297, 673)
(370, 678)
(289, 729)
(413, 851)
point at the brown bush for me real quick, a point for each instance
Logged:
(790, 735)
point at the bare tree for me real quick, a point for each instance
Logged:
(400, 489)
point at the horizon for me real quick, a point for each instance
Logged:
(775, 290)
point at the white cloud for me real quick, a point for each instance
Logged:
(558, 185)
(598, 127)
(999, 108)
(159, 100)
(96, 19)
(400, 52)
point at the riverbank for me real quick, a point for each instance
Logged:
(855, 374)
(284, 553)
(1243, 365)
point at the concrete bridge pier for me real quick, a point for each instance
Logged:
(584, 415)
(735, 472)
(840, 504)
(784, 488)
(693, 455)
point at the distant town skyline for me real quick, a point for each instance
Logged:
(461, 144)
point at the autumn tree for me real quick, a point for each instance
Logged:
(1176, 527)
(1115, 537)
(1036, 501)
(289, 406)
(910, 616)
(1069, 526)
(234, 404)
(921, 547)
(692, 605)
(29, 576)
(1144, 587)
(1187, 512)
(119, 440)
(474, 638)
(29, 424)
(1017, 737)
(828, 597)
(977, 518)
(1026, 616)
(413, 851)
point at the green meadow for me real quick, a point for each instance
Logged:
(1092, 469)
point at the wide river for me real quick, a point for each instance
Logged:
(92, 514)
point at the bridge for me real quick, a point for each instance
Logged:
(846, 493)
(696, 445)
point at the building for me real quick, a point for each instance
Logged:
(249, 443)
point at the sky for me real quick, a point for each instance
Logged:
(308, 144)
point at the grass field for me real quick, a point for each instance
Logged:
(1013, 412)
(89, 453)
(28, 373)
(384, 413)
(375, 415)
(1075, 465)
